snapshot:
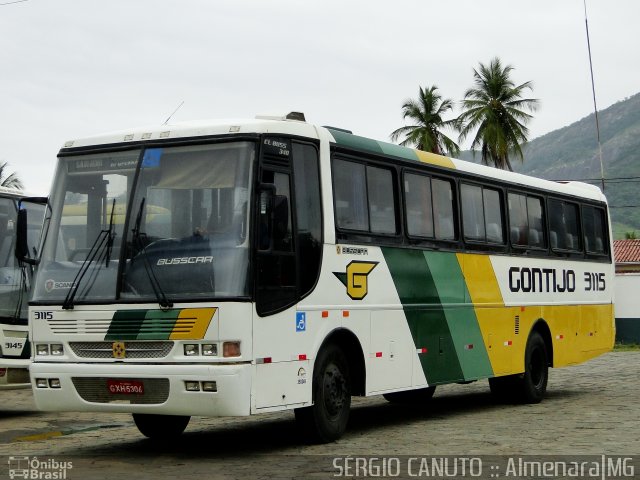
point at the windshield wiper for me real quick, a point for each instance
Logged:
(103, 242)
(161, 297)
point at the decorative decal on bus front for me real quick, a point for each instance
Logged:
(172, 324)
(356, 278)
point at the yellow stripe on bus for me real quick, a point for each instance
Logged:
(192, 323)
(433, 159)
(578, 332)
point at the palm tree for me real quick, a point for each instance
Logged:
(10, 181)
(495, 108)
(426, 113)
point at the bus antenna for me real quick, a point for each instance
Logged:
(173, 113)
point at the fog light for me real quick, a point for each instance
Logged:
(231, 349)
(191, 350)
(54, 383)
(42, 383)
(210, 349)
(42, 349)
(192, 386)
(57, 349)
(209, 386)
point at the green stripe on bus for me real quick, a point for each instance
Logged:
(142, 324)
(354, 141)
(158, 324)
(125, 325)
(425, 315)
(461, 318)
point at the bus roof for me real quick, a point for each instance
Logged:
(283, 126)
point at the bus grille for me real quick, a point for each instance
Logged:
(133, 349)
(96, 390)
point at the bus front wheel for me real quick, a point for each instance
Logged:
(160, 427)
(326, 420)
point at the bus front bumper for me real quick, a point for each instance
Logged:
(14, 373)
(203, 390)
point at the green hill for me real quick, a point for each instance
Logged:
(571, 153)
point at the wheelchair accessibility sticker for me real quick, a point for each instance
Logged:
(301, 321)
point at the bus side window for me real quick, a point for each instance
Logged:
(308, 215)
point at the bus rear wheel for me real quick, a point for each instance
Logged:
(530, 386)
(326, 420)
(160, 427)
(416, 397)
(533, 383)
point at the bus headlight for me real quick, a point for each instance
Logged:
(42, 383)
(54, 383)
(191, 349)
(42, 349)
(57, 349)
(210, 349)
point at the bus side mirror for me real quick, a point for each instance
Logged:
(267, 194)
(22, 245)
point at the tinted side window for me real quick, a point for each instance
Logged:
(382, 211)
(594, 230)
(472, 212)
(419, 208)
(308, 215)
(526, 221)
(443, 209)
(493, 216)
(365, 197)
(481, 214)
(535, 216)
(563, 225)
(349, 186)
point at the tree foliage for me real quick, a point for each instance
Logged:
(426, 114)
(9, 180)
(496, 110)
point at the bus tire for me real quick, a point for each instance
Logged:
(326, 420)
(417, 396)
(161, 427)
(533, 383)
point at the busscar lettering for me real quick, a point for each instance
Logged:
(541, 280)
(184, 260)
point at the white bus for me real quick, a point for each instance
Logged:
(240, 267)
(15, 285)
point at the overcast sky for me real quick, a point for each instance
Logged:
(71, 68)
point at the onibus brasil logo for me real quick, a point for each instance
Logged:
(356, 278)
(34, 468)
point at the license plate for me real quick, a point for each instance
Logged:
(125, 387)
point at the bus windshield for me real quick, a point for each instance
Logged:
(14, 277)
(149, 225)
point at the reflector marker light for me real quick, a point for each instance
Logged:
(302, 356)
(263, 360)
(559, 337)
(325, 314)
(469, 346)
(508, 343)
(421, 350)
(378, 354)
(345, 313)
(591, 334)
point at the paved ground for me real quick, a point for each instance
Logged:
(591, 409)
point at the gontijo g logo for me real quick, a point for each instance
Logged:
(356, 278)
